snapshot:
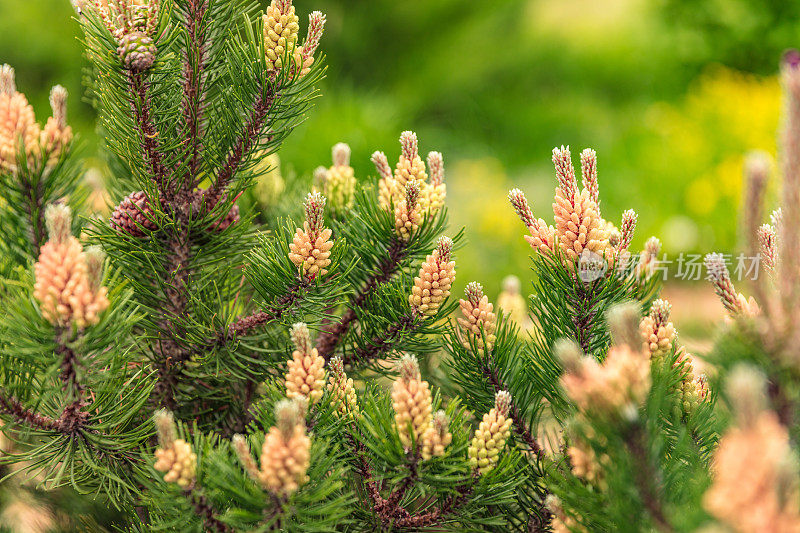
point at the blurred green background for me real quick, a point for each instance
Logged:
(671, 94)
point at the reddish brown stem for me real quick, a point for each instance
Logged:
(140, 106)
(172, 350)
(13, 407)
(329, 339)
(388, 510)
(72, 419)
(193, 94)
(646, 478)
(69, 364)
(246, 141)
(204, 510)
(35, 211)
(520, 427)
(245, 324)
(381, 344)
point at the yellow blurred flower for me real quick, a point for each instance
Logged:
(701, 196)
(700, 143)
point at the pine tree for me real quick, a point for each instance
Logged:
(202, 365)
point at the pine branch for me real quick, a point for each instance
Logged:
(245, 324)
(520, 427)
(382, 343)
(69, 363)
(204, 509)
(413, 464)
(329, 339)
(35, 212)
(13, 407)
(140, 106)
(583, 317)
(645, 478)
(246, 141)
(72, 419)
(364, 470)
(193, 94)
(172, 352)
(388, 510)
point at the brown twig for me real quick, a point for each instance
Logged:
(140, 106)
(69, 364)
(193, 94)
(204, 510)
(13, 407)
(172, 350)
(645, 477)
(520, 427)
(245, 324)
(583, 317)
(249, 322)
(35, 211)
(382, 343)
(388, 510)
(248, 138)
(72, 419)
(330, 338)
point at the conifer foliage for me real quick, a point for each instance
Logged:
(200, 368)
